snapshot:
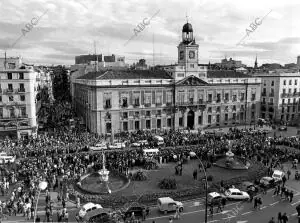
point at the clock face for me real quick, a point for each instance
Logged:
(192, 54)
(181, 55)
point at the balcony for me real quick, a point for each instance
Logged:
(21, 90)
(226, 100)
(209, 101)
(270, 103)
(169, 103)
(271, 95)
(147, 105)
(107, 106)
(124, 105)
(242, 99)
(264, 94)
(136, 105)
(158, 104)
(9, 91)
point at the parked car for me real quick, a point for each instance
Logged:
(236, 194)
(139, 143)
(214, 198)
(249, 186)
(100, 215)
(267, 182)
(87, 208)
(135, 208)
(282, 128)
(98, 147)
(166, 204)
(278, 175)
(4, 158)
(117, 145)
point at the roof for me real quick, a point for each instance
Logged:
(226, 74)
(166, 199)
(214, 194)
(126, 74)
(187, 28)
(191, 81)
(88, 205)
(234, 190)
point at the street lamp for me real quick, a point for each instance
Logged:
(206, 187)
(42, 186)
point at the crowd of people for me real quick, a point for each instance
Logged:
(61, 156)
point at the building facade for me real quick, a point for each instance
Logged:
(280, 96)
(183, 96)
(17, 100)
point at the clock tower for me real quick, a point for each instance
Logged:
(188, 51)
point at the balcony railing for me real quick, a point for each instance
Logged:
(148, 105)
(226, 100)
(107, 106)
(264, 94)
(20, 90)
(9, 91)
(124, 105)
(158, 104)
(136, 105)
(169, 103)
(271, 95)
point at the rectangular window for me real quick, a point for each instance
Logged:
(23, 111)
(242, 96)
(209, 98)
(226, 97)
(234, 116)
(180, 121)
(148, 98)
(107, 103)
(22, 97)
(124, 102)
(9, 76)
(158, 123)
(21, 76)
(234, 98)
(218, 118)
(125, 126)
(296, 82)
(272, 83)
(192, 65)
(148, 113)
(0, 98)
(169, 122)
(10, 87)
(12, 112)
(11, 98)
(159, 97)
(218, 98)
(284, 82)
(209, 119)
(253, 98)
(199, 120)
(226, 117)
(137, 125)
(148, 124)
(290, 82)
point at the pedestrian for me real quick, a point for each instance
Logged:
(284, 218)
(283, 180)
(259, 203)
(211, 210)
(272, 220)
(286, 194)
(278, 190)
(195, 174)
(177, 214)
(170, 220)
(144, 214)
(282, 191)
(291, 196)
(223, 202)
(288, 173)
(255, 203)
(279, 218)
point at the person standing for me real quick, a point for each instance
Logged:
(283, 180)
(284, 218)
(288, 174)
(279, 218)
(272, 220)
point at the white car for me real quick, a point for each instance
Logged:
(98, 147)
(87, 208)
(117, 145)
(166, 204)
(4, 158)
(236, 194)
(139, 143)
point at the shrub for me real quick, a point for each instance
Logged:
(167, 183)
(139, 176)
(209, 178)
(151, 165)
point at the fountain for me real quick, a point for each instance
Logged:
(103, 181)
(104, 173)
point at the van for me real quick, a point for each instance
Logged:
(166, 204)
(150, 152)
(159, 140)
(278, 175)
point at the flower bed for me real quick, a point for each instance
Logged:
(115, 201)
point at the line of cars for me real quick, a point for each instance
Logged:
(247, 187)
(91, 212)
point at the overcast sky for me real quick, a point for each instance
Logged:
(68, 28)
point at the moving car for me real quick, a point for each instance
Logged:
(282, 128)
(100, 215)
(278, 175)
(214, 198)
(4, 158)
(135, 208)
(249, 186)
(166, 204)
(236, 194)
(87, 208)
(267, 182)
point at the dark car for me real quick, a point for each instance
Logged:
(249, 186)
(267, 182)
(282, 128)
(100, 215)
(135, 208)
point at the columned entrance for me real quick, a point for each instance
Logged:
(190, 119)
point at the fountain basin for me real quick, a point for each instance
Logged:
(93, 184)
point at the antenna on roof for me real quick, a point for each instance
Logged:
(5, 60)
(153, 47)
